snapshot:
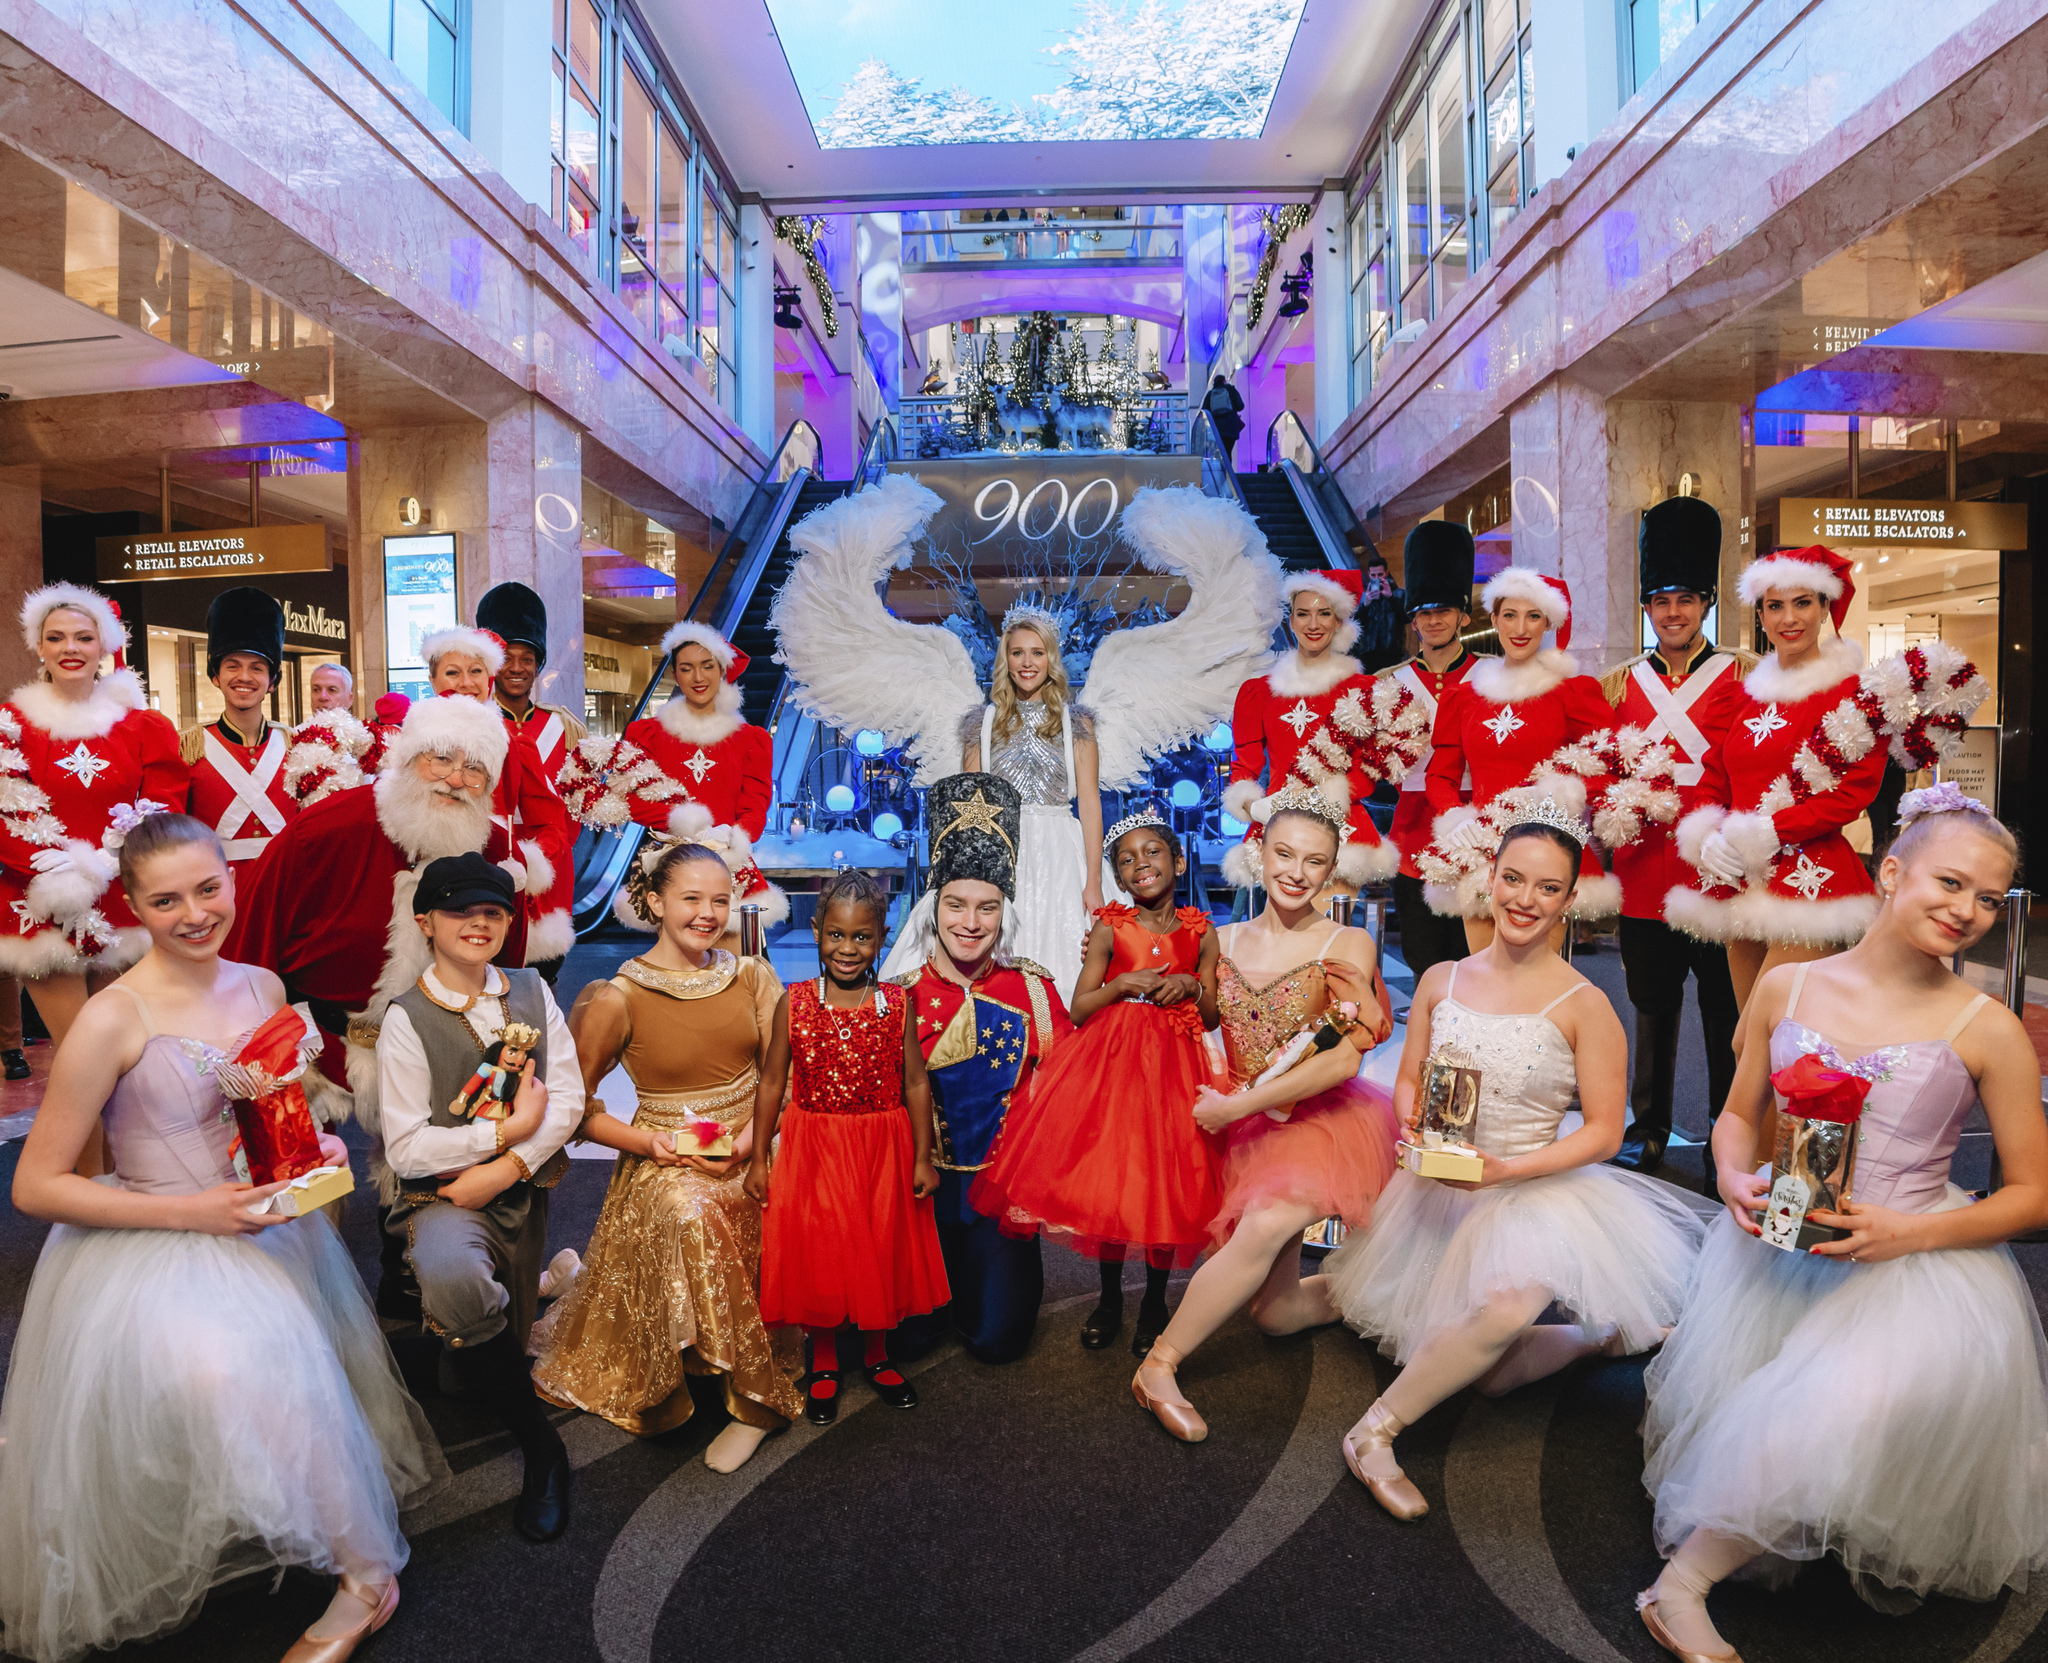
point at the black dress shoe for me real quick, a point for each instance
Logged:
(898, 1392)
(1101, 1328)
(15, 1065)
(821, 1411)
(1152, 1321)
(1640, 1155)
(541, 1513)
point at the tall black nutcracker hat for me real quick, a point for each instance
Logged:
(1436, 566)
(975, 820)
(1679, 547)
(244, 620)
(513, 612)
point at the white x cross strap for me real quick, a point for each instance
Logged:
(252, 794)
(1673, 706)
(548, 744)
(1406, 675)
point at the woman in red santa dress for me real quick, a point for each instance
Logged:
(79, 752)
(697, 771)
(461, 664)
(1504, 722)
(1778, 880)
(1317, 718)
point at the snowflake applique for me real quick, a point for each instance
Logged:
(1300, 717)
(1765, 723)
(700, 765)
(25, 917)
(1502, 723)
(83, 765)
(1807, 877)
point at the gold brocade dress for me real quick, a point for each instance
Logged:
(669, 1284)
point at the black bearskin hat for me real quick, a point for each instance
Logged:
(1436, 566)
(1679, 547)
(513, 612)
(245, 620)
(975, 820)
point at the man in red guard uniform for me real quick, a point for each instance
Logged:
(1679, 556)
(461, 664)
(1436, 573)
(985, 1021)
(238, 761)
(516, 616)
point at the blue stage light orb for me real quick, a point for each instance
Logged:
(870, 743)
(887, 825)
(839, 799)
(1185, 794)
(1233, 828)
(1219, 737)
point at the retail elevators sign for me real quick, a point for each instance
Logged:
(255, 552)
(1803, 521)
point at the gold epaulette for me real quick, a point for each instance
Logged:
(574, 729)
(1615, 683)
(192, 744)
(907, 978)
(1031, 968)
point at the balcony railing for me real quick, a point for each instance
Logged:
(1036, 236)
(1152, 422)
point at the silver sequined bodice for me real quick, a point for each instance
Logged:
(1036, 767)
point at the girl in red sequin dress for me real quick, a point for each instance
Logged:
(1100, 1148)
(848, 1235)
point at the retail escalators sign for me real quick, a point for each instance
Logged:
(1856, 521)
(257, 551)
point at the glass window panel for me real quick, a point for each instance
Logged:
(1528, 89)
(373, 17)
(555, 108)
(1504, 200)
(586, 45)
(1415, 174)
(636, 198)
(1500, 30)
(1675, 19)
(707, 233)
(1642, 30)
(441, 67)
(1415, 302)
(1450, 269)
(707, 308)
(1503, 119)
(673, 252)
(555, 194)
(409, 19)
(582, 217)
(1376, 205)
(582, 151)
(1360, 239)
(1448, 96)
(728, 388)
(728, 243)
(671, 319)
(726, 309)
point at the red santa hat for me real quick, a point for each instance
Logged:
(730, 659)
(1524, 583)
(473, 643)
(1344, 590)
(1817, 569)
(445, 726)
(52, 597)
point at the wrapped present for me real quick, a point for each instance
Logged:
(1448, 1099)
(276, 1137)
(705, 1138)
(1814, 1164)
(311, 1192)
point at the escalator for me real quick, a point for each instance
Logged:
(1271, 500)
(761, 683)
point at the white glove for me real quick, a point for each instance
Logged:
(516, 872)
(1262, 809)
(1719, 859)
(1473, 834)
(60, 859)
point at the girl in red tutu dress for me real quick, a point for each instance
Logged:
(848, 1235)
(1100, 1147)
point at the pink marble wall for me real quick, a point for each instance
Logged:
(21, 559)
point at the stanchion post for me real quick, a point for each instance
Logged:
(2016, 903)
(750, 931)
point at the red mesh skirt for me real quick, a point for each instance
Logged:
(1333, 1155)
(843, 1239)
(1102, 1150)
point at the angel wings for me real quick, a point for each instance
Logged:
(1150, 689)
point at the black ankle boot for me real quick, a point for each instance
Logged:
(1153, 1317)
(15, 1065)
(497, 1373)
(1104, 1322)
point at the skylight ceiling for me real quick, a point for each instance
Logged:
(888, 74)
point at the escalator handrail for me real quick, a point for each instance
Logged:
(766, 488)
(1205, 443)
(873, 461)
(1335, 549)
(1307, 438)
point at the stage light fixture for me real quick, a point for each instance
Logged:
(870, 743)
(1185, 794)
(1233, 828)
(886, 825)
(786, 314)
(1297, 286)
(1220, 738)
(839, 799)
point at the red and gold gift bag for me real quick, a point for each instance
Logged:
(278, 1138)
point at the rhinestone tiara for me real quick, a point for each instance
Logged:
(1547, 811)
(1304, 799)
(1131, 822)
(1030, 612)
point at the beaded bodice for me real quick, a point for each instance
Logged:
(846, 1061)
(1259, 1018)
(1037, 767)
(1527, 1073)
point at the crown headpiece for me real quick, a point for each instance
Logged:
(1302, 799)
(1547, 811)
(1132, 822)
(1042, 618)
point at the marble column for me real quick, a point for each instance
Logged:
(21, 559)
(511, 491)
(1652, 448)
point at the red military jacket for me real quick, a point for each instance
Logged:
(238, 788)
(1413, 816)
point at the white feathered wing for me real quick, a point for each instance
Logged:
(1154, 688)
(851, 663)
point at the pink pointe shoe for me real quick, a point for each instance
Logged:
(338, 1648)
(1646, 1608)
(1178, 1418)
(1398, 1495)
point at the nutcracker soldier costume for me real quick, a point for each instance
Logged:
(697, 771)
(1661, 693)
(985, 1023)
(1436, 572)
(238, 760)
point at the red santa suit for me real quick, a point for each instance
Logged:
(1498, 726)
(74, 776)
(702, 778)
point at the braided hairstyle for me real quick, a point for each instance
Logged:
(861, 889)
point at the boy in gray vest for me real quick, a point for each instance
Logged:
(472, 1202)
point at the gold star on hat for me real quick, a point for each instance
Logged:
(975, 813)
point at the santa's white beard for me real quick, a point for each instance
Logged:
(429, 821)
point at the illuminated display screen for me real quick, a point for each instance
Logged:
(882, 73)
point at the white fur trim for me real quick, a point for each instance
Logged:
(685, 724)
(701, 634)
(45, 953)
(1759, 915)
(1291, 678)
(1363, 863)
(1498, 680)
(1781, 571)
(540, 871)
(447, 725)
(1447, 902)
(1596, 898)
(1242, 867)
(1693, 831)
(40, 603)
(329, 1102)
(472, 642)
(1238, 799)
(1703, 916)
(549, 936)
(1568, 791)
(1522, 583)
(515, 871)
(1755, 840)
(64, 894)
(1341, 600)
(772, 901)
(691, 822)
(94, 717)
(1836, 660)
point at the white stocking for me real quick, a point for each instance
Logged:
(1703, 1559)
(734, 1445)
(1450, 1361)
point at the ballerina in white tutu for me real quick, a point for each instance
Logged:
(1882, 1397)
(195, 1392)
(1452, 1276)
